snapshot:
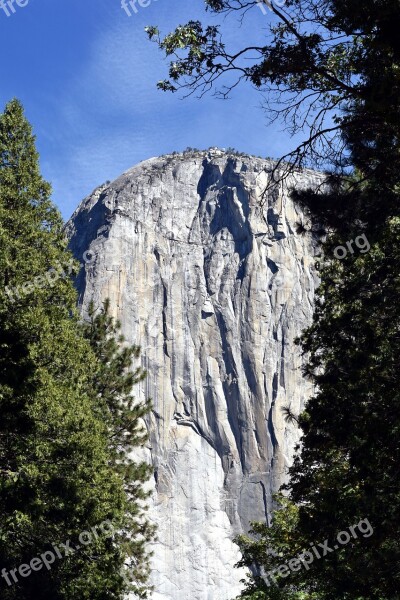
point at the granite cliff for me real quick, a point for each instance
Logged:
(215, 286)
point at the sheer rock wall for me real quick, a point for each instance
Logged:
(214, 285)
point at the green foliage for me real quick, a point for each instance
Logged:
(57, 469)
(346, 466)
(268, 547)
(112, 385)
(346, 470)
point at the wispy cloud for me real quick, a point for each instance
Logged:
(111, 115)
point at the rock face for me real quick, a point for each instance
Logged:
(214, 285)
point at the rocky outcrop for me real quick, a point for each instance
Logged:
(215, 284)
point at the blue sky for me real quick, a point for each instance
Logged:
(87, 75)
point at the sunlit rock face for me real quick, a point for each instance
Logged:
(214, 284)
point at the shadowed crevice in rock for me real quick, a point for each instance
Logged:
(95, 217)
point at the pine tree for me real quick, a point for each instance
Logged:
(112, 385)
(347, 468)
(57, 472)
(346, 471)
